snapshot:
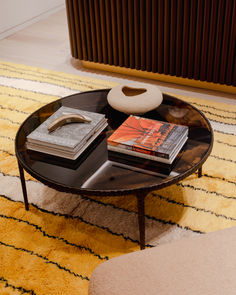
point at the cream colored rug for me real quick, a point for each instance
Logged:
(54, 247)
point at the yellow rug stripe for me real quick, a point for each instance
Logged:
(6, 288)
(222, 119)
(6, 131)
(213, 105)
(225, 138)
(222, 189)
(20, 105)
(12, 117)
(20, 273)
(8, 164)
(71, 229)
(68, 80)
(224, 151)
(40, 240)
(213, 167)
(10, 92)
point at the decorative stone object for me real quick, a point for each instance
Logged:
(134, 98)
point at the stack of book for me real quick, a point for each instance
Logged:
(70, 140)
(147, 138)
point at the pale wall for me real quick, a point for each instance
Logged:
(17, 14)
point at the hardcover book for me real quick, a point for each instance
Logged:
(70, 140)
(147, 138)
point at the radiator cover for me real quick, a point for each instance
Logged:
(190, 39)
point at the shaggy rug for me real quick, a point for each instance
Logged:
(54, 247)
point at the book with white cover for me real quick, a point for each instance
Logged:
(70, 140)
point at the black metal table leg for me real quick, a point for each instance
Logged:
(141, 219)
(200, 172)
(22, 178)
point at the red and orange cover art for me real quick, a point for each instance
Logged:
(144, 135)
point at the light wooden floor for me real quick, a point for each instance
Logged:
(45, 44)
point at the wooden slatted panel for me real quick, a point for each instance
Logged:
(192, 39)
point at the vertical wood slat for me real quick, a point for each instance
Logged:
(142, 31)
(234, 74)
(198, 42)
(108, 31)
(78, 40)
(131, 33)
(193, 39)
(119, 37)
(173, 23)
(231, 63)
(98, 30)
(103, 31)
(154, 36)
(148, 17)
(179, 36)
(82, 29)
(125, 32)
(114, 33)
(72, 30)
(218, 41)
(205, 36)
(137, 33)
(87, 25)
(225, 42)
(166, 36)
(211, 41)
(160, 36)
(93, 30)
(185, 40)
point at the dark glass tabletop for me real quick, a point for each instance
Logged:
(99, 172)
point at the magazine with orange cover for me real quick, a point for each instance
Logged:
(147, 136)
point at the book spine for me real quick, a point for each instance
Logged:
(141, 150)
(133, 148)
(172, 139)
(137, 154)
(166, 149)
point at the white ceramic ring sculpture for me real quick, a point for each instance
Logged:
(134, 98)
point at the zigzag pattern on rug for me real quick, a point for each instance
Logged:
(54, 247)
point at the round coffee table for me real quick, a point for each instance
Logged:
(99, 172)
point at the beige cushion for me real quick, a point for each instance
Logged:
(205, 265)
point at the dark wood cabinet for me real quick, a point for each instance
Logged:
(190, 39)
